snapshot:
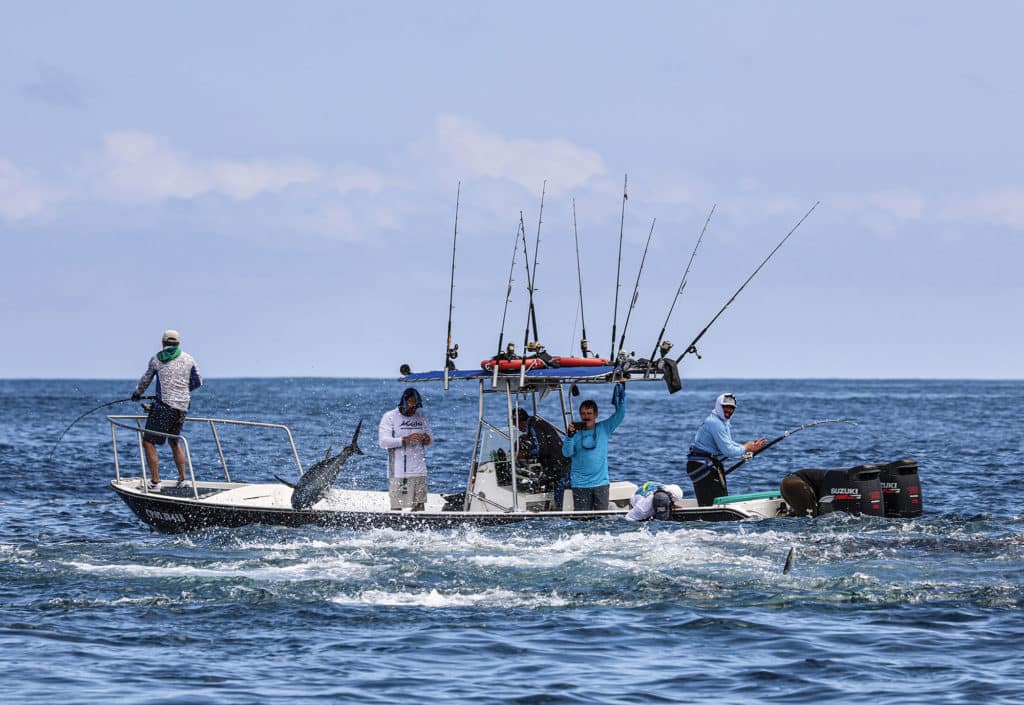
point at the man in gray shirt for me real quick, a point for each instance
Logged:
(177, 376)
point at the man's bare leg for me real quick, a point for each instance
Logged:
(179, 458)
(153, 460)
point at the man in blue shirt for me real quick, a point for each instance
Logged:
(587, 446)
(713, 444)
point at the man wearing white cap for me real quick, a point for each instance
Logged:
(177, 376)
(713, 444)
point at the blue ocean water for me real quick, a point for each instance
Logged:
(94, 608)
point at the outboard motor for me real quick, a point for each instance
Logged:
(857, 490)
(901, 488)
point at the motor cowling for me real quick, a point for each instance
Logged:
(901, 488)
(857, 490)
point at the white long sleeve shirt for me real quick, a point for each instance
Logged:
(175, 380)
(409, 460)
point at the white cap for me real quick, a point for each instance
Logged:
(171, 337)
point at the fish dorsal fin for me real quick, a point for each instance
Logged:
(328, 455)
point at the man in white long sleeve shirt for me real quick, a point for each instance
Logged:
(405, 433)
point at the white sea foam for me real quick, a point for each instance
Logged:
(495, 598)
(320, 568)
(9, 553)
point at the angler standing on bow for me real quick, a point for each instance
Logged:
(713, 444)
(587, 446)
(177, 376)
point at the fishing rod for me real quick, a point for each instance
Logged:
(532, 277)
(450, 352)
(508, 297)
(536, 248)
(679, 291)
(618, 269)
(90, 411)
(636, 287)
(584, 345)
(692, 347)
(786, 435)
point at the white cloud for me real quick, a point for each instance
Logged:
(1002, 207)
(474, 152)
(903, 205)
(21, 196)
(140, 167)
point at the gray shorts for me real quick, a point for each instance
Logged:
(407, 491)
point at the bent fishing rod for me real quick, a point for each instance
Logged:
(508, 297)
(584, 345)
(450, 352)
(786, 435)
(679, 290)
(636, 290)
(90, 411)
(692, 347)
(618, 267)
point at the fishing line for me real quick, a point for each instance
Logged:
(90, 411)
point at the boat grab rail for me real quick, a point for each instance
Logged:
(118, 421)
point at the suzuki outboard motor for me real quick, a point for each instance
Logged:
(901, 488)
(857, 490)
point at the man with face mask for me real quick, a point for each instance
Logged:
(713, 444)
(405, 433)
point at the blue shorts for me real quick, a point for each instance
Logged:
(163, 419)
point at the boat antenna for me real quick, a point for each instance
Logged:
(536, 347)
(49, 457)
(451, 352)
(786, 435)
(584, 345)
(636, 287)
(692, 347)
(508, 297)
(679, 291)
(618, 269)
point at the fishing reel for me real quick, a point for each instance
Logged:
(585, 347)
(405, 370)
(510, 351)
(451, 354)
(534, 347)
(666, 346)
(693, 349)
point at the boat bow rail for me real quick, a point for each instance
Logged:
(136, 427)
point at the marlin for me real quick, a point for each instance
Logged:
(316, 481)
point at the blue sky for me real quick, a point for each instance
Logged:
(278, 182)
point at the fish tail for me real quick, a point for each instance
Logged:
(353, 447)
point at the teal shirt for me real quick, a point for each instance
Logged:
(588, 449)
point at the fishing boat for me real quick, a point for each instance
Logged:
(504, 483)
(500, 488)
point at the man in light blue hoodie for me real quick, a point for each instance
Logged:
(587, 446)
(713, 444)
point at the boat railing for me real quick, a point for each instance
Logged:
(121, 421)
